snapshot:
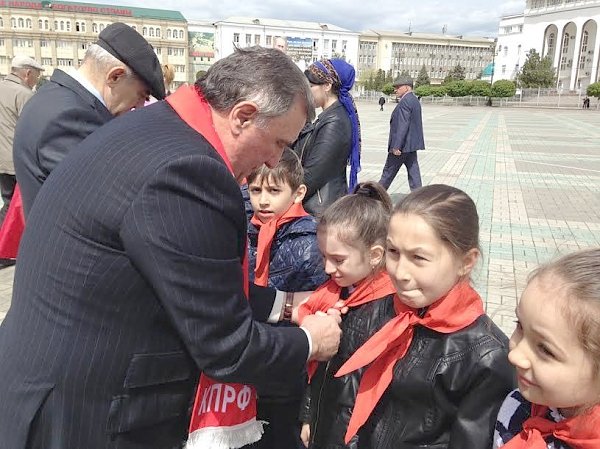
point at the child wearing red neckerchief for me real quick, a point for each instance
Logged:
(351, 234)
(437, 372)
(283, 254)
(555, 349)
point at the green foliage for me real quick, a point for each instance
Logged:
(503, 89)
(200, 74)
(458, 88)
(480, 88)
(404, 73)
(40, 82)
(457, 74)
(423, 91)
(438, 91)
(423, 78)
(537, 71)
(388, 89)
(593, 90)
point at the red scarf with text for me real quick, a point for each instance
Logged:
(458, 309)
(224, 414)
(266, 234)
(326, 296)
(579, 432)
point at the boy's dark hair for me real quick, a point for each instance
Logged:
(449, 211)
(361, 217)
(288, 171)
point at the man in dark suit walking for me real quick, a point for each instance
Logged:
(131, 273)
(406, 136)
(118, 73)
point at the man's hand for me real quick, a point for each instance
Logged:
(305, 434)
(396, 151)
(325, 333)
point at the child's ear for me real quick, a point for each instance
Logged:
(468, 262)
(377, 254)
(299, 194)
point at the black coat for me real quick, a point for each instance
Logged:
(128, 283)
(53, 122)
(329, 400)
(445, 393)
(324, 148)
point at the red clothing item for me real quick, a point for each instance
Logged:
(12, 227)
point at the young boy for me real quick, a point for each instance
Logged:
(284, 254)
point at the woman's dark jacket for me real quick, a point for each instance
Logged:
(445, 393)
(329, 400)
(324, 148)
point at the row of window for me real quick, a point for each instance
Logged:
(536, 4)
(80, 26)
(256, 40)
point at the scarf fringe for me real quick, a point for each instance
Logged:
(231, 437)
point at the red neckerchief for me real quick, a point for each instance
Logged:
(266, 234)
(325, 297)
(458, 309)
(579, 432)
(224, 414)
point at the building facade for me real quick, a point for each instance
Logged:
(304, 42)
(58, 33)
(564, 30)
(439, 53)
(201, 36)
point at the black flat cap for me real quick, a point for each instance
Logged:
(403, 81)
(129, 47)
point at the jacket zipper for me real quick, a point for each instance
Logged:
(313, 432)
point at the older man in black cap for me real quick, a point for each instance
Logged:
(118, 73)
(406, 136)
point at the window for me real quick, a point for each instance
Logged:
(68, 25)
(13, 22)
(503, 69)
(582, 61)
(584, 42)
(101, 26)
(257, 39)
(248, 40)
(47, 61)
(345, 44)
(46, 26)
(23, 42)
(63, 44)
(80, 26)
(157, 32)
(326, 44)
(269, 41)
(62, 62)
(40, 24)
(44, 43)
(168, 33)
(236, 38)
(151, 32)
(144, 31)
(56, 25)
(158, 50)
(62, 25)
(180, 34)
(333, 45)
(1, 42)
(21, 22)
(94, 27)
(565, 43)
(551, 45)
(506, 51)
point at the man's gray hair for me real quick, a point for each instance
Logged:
(103, 60)
(265, 76)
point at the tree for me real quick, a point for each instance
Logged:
(537, 71)
(438, 91)
(388, 89)
(379, 80)
(459, 88)
(593, 90)
(404, 73)
(457, 74)
(423, 91)
(423, 78)
(480, 88)
(503, 89)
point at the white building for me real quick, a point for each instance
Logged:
(201, 36)
(305, 41)
(566, 30)
(439, 53)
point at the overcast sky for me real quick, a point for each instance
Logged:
(467, 17)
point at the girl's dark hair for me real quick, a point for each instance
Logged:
(578, 278)
(361, 217)
(449, 211)
(288, 171)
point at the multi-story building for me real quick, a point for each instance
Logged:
(439, 53)
(565, 30)
(57, 33)
(305, 41)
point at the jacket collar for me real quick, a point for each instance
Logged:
(65, 80)
(15, 79)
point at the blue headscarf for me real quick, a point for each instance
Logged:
(341, 75)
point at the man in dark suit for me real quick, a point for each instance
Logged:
(406, 136)
(118, 73)
(145, 229)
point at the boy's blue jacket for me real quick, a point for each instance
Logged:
(295, 261)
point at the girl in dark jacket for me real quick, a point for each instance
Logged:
(437, 373)
(351, 235)
(327, 146)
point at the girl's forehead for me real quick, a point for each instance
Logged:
(337, 237)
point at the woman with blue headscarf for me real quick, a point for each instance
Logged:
(332, 142)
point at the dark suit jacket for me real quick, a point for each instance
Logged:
(128, 282)
(406, 125)
(60, 115)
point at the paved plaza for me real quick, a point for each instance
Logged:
(534, 174)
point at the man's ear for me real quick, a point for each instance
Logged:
(242, 115)
(114, 75)
(299, 194)
(468, 262)
(376, 255)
